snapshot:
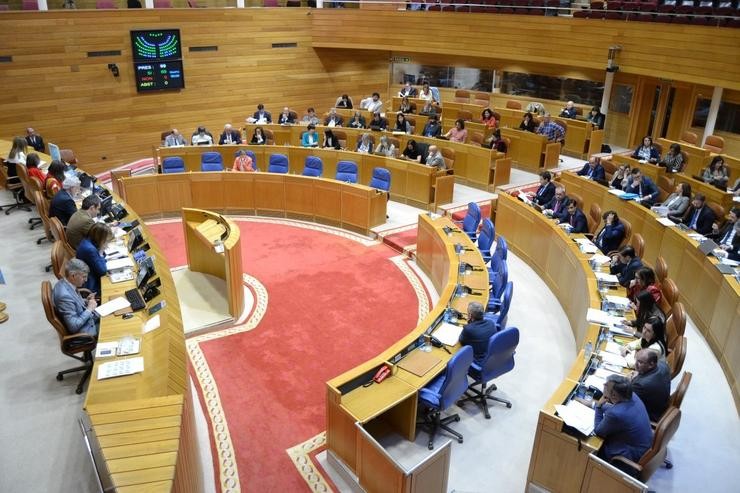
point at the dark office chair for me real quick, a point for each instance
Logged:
(313, 167)
(381, 179)
(174, 164)
(211, 161)
(278, 163)
(443, 392)
(500, 307)
(471, 221)
(77, 346)
(347, 171)
(485, 239)
(499, 360)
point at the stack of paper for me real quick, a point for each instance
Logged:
(118, 264)
(448, 334)
(666, 222)
(595, 316)
(595, 382)
(618, 301)
(112, 306)
(606, 278)
(613, 359)
(616, 191)
(622, 330)
(578, 416)
(600, 259)
(613, 348)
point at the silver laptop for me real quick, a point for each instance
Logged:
(707, 246)
(54, 152)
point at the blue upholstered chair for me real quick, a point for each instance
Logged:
(502, 248)
(497, 311)
(211, 161)
(443, 392)
(347, 171)
(278, 163)
(499, 360)
(313, 167)
(381, 179)
(498, 280)
(254, 160)
(485, 239)
(174, 164)
(471, 221)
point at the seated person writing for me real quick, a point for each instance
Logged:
(358, 121)
(653, 339)
(647, 152)
(575, 218)
(310, 138)
(378, 122)
(673, 159)
(333, 119)
(651, 381)
(593, 170)
(642, 186)
(528, 124)
(625, 264)
(477, 332)
(570, 110)
(402, 125)
(596, 117)
(90, 250)
(310, 117)
(622, 421)
(435, 158)
(545, 192)
(174, 139)
(201, 137)
(412, 152)
(716, 173)
(242, 161)
(678, 202)
(405, 106)
(330, 140)
(364, 144)
(408, 91)
(229, 136)
(261, 115)
(63, 206)
(646, 309)
(551, 130)
(557, 206)
(621, 177)
(81, 221)
(699, 217)
(344, 101)
(258, 137)
(487, 118)
(385, 148)
(77, 313)
(610, 236)
(432, 128)
(286, 117)
(458, 132)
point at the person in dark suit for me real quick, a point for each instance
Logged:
(77, 313)
(611, 235)
(477, 332)
(261, 114)
(333, 119)
(593, 170)
(625, 264)
(570, 110)
(733, 252)
(432, 128)
(651, 382)
(546, 190)
(725, 234)
(575, 218)
(63, 205)
(230, 136)
(557, 207)
(408, 91)
(643, 187)
(699, 217)
(90, 251)
(35, 140)
(528, 124)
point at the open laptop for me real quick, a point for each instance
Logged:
(54, 152)
(707, 246)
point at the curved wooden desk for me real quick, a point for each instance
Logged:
(346, 205)
(391, 405)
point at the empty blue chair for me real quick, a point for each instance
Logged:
(254, 160)
(278, 163)
(499, 360)
(485, 239)
(502, 307)
(498, 281)
(502, 249)
(211, 161)
(347, 171)
(313, 167)
(471, 221)
(174, 164)
(444, 391)
(381, 179)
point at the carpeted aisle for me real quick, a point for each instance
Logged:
(329, 309)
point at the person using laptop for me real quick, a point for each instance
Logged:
(82, 220)
(699, 217)
(77, 313)
(724, 236)
(201, 137)
(90, 250)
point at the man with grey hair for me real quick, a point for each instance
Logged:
(477, 331)
(174, 139)
(435, 158)
(82, 220)
(63, 205)
(230, 136)
(77, 313)
(622, 421)
(551, 130)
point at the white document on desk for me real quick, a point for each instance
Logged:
(595, 382)
(666, 222)
(620, 301)
(151, 324)
(613, 348)
(613, 359)
(600, 259)
(118, 264)
(448, 334)
(112, 306)
(578, 416)
(616, 191)
(121, 367)
(607, 278)
(596, 316)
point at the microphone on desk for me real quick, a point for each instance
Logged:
(448, 230)
(463, 290)
(471, 267)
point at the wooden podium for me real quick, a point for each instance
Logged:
(213, 247)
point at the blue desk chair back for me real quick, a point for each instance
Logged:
(278, 163)
(381, 179)
(485, 239)
(347, 171)
(313, 167)
(174, 164)
(211, 161)
(443, 392)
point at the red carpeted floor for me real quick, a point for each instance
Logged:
(333, 304)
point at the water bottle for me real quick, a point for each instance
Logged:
(588, 351)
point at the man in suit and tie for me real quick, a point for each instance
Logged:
(477, 331)
(651, 381)
(408, 91)
(546, 190)
(77, 313)
(625, 265)
(575, 218)
(699, 217)
(35, 140)
(262, 116)
(229, 136)
(63, 205)
(643, 187)
(593, 170)
(333, 119)
(724, 236)
(557, 207)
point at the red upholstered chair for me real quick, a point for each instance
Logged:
(30, 5)
(162, 4)
(714, 143)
